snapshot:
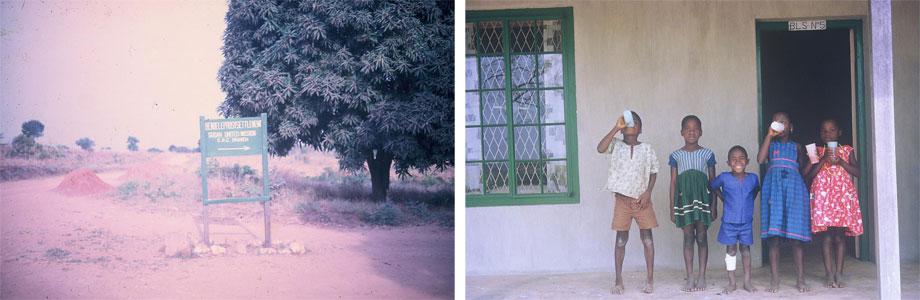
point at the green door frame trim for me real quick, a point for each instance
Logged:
(866, 248)
(571, 131)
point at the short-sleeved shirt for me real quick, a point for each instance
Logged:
(700, 159)
(738, 196)
(628, 174)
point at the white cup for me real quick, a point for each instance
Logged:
(832, 147)
(777, 126)
(628, 118)
(812, 153)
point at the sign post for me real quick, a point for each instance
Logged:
(235, 137)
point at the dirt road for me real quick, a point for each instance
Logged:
(54, 246)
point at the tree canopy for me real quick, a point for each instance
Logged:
(33, 129)
(370, 80)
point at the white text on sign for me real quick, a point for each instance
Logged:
(807, 25)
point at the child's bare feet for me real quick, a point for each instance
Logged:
(729, 288)
(649, 288)
(838, 282)
(688, 287)
(699, 284)
(617, 288)
(829, 282)
(749, 287)
(774, 286)
(800, 284)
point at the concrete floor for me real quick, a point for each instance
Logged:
(860, 278)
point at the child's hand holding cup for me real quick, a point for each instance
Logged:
(812, 153)
(628, 118)
(776, 128)
(832, 148)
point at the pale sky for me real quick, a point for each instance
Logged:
(110, 69)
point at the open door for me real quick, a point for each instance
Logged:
(813, 71)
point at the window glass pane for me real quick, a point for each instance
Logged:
(528, 176)
(490, 37)
(474, 178)
(525, 36)
(472, 74)
(470, 40)
(472, 108)
(553, 106)
(493, 108)
(554, 141)
(473, 144)
(523, 71)
(493, 72)
(525, 107)
(551, 70)
(526, 141)
(556, 177)
(496, 177)
(495, 143)
(552, 35)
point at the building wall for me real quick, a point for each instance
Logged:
(666, 60)
(906, 39)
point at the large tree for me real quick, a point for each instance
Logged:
(370, 80)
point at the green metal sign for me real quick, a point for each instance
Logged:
(232, 137)
(235, 137)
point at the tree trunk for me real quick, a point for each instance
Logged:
(379, 168)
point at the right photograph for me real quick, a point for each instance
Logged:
(692, 149)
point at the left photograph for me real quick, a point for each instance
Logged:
(227, 149)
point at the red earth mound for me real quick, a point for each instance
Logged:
(82, 182)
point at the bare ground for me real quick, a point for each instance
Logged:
(54, 246)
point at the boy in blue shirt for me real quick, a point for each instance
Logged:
(738, 190)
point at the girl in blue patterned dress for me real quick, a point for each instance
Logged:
(784, 203)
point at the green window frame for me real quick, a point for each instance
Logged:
(520, 69)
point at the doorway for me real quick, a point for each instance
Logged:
(814, 75)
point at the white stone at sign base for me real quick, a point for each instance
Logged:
(218, 250)
(297, 248)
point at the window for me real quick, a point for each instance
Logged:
(520, 108)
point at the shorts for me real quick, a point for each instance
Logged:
(733, 233)
(624, 213)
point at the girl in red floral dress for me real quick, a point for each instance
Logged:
(834, 202)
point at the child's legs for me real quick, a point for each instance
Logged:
(840, 245)
(827, 239)
(732, 251)
(702, 242)
(620, 252)
(649, 245)
(797, 257)
(746, 262)
(689, 238)
(773, 243)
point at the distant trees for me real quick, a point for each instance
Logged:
(180, 149)
(132, 143)
(86, 144)
(24, 145)
(33, 129)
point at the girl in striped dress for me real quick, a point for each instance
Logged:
(692, 167)
(784, 203)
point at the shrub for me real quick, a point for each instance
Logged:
(132, 143)
(127, 190)
(24, 146)
(386, 214)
